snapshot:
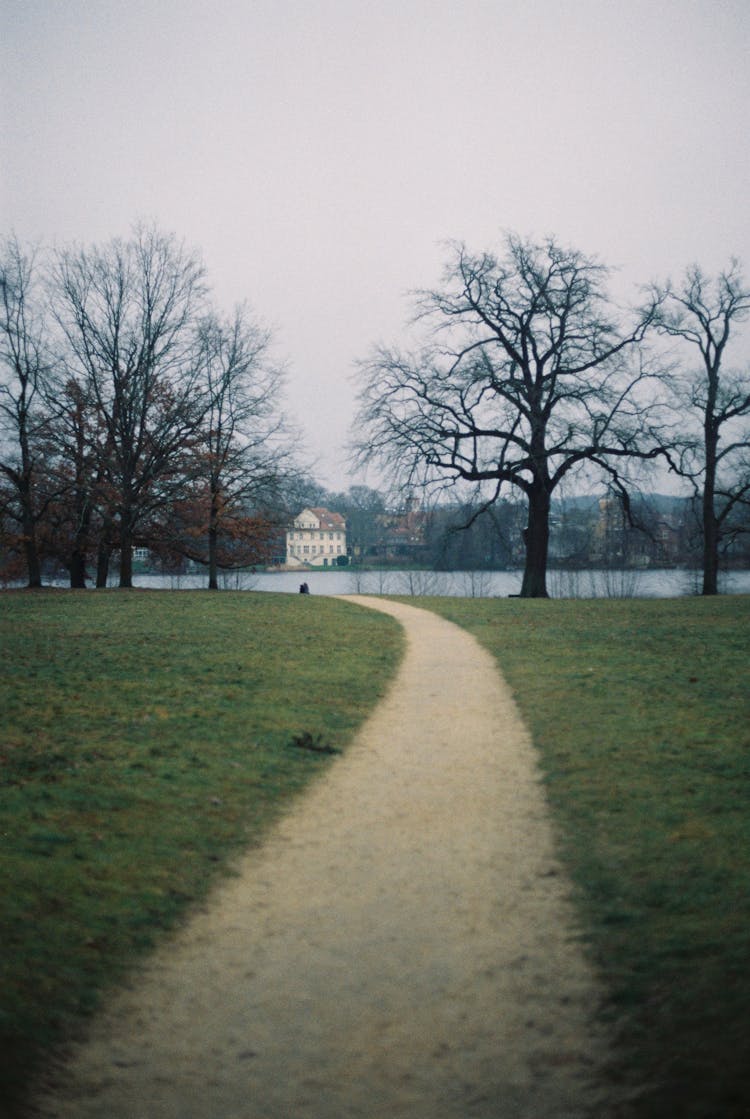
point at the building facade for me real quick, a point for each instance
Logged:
(317, 538)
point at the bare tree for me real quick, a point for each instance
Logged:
(76, 519)
(128, 311)
(24, 367)
(703, 312)
(528, 376)
(244, 453)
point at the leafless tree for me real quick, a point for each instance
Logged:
(76, 520)
(128, 312)
(703, 312)
(244, 452)
(528, 375)
(24, 368)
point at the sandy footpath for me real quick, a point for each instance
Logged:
(402, 946)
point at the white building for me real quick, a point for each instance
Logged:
(316, 539)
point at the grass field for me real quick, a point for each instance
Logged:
(641, 712)
(145, 737)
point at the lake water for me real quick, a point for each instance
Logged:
(471, 584)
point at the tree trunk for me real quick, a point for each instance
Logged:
(213, 570)
(80, 543)
(536, 538)
(213, 538)
(102, 565)
(28, 520)
(126, 557)
(710, 525)
(78, 570)
(33, 563)
(26, 480)
(710, 543)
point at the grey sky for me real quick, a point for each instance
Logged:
(318, 152)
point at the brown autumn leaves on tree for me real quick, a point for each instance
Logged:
(133, 414)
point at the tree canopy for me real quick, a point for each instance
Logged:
(527, 374)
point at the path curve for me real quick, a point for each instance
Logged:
(402, 945)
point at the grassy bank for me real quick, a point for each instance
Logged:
(641, 711)
(145, 736)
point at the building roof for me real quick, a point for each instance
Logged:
(327, 519)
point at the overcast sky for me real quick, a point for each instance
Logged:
(320, 152)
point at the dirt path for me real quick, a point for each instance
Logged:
(401, 946)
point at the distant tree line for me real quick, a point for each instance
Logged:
(133, 414)
(586, 531)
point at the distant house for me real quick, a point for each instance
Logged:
(317, 538)
(401, 536)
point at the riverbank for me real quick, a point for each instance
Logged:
(617, 583)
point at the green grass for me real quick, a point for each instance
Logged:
(145, 737)
(641, 712)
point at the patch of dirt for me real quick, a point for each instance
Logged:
(402, 946)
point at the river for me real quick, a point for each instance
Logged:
(651, 583)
